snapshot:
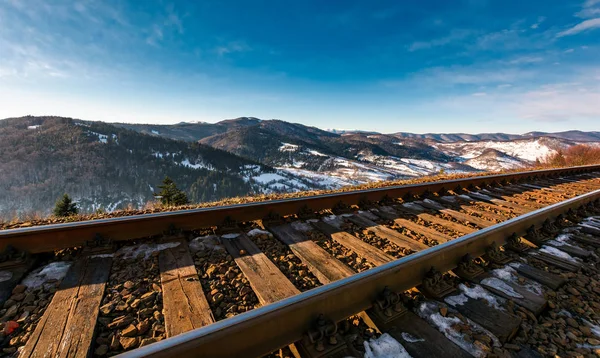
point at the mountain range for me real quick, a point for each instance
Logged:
(113, 166)
(457, 137)
(199, 130)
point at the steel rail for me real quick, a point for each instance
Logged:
(268, 328)
(47, 238)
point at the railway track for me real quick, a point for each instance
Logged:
(500, 265)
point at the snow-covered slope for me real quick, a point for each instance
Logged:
(303, 167)
(529, 149)
(494, 160)
(319, 170)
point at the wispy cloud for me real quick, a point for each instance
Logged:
(525, 60)
(562, 101)
(156, 35)
(515, 37)
(538, 23)
(581, 27)
(168, 22)
(37, 44)
(588, 12)
(232, 47)
(589, 9)
(476, 75)
(455, 35)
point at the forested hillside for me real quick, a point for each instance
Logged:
(107, 167)
(112, 166)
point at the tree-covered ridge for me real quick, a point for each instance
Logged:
(106, 167)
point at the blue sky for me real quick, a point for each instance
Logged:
(415, 66)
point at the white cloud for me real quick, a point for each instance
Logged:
(588, 12)
(168, 22)
(479, 94)
(571, 102)
(539, 22)
(232, 47)
(525, 59)
(455, 35)
(155, 36)
(583, 26)
(515, 37)
(482, 74)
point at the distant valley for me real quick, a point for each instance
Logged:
(113, 166)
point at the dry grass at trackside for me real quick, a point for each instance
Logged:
(154, 207)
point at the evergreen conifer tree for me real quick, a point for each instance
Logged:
(65, 207)
(170, 195)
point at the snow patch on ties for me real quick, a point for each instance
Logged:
(369, 215)
(475, 292)
(565, 313)
(385, 347)
(591, 222)
(558, 253)
(502, 286)
(230, 236)
(52, 271)
(413, 206)
(561, 240)
(593, 327)
(256, 232)
(101, 256)
(205, 242)
(5, 276)
(410, 338)
(145, 250)
(456, 300)
(334, 220)
(430, 312)
(301, 226)
(478, 292)
(509, 274)
(434, 204)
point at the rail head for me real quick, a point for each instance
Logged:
(268, 328)
(60, 236)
